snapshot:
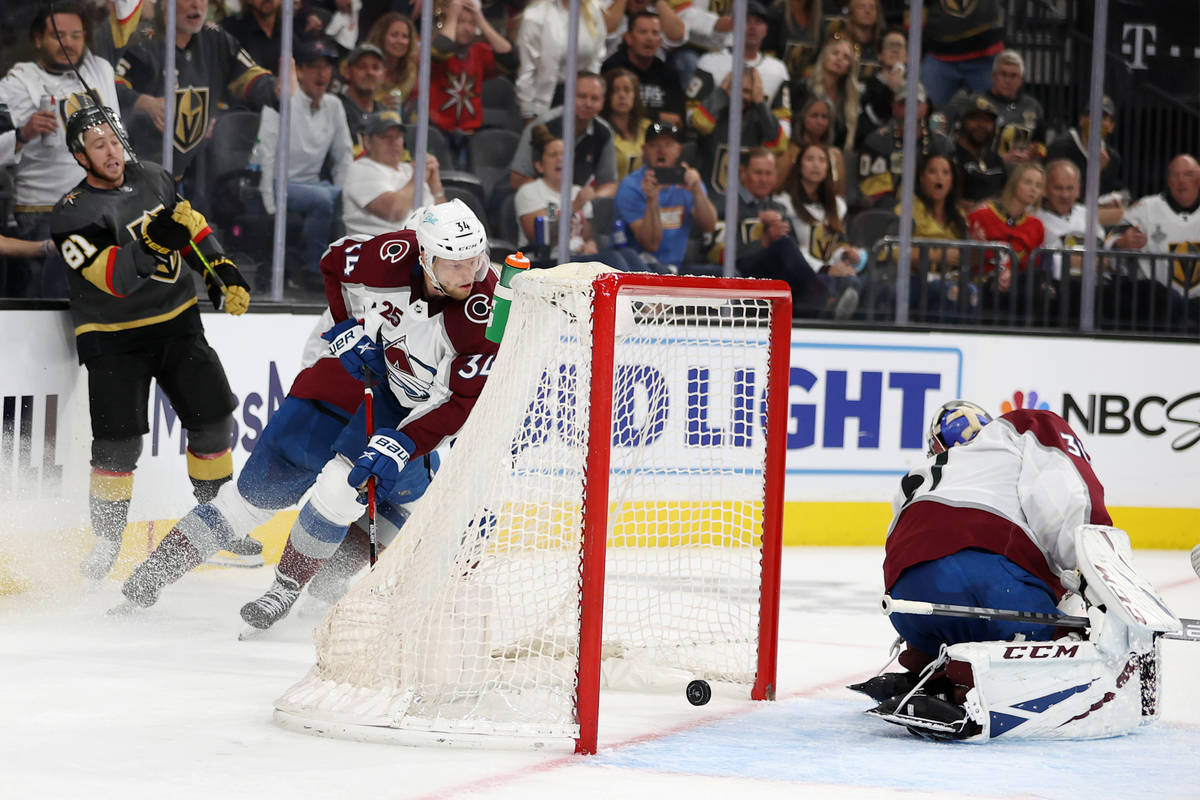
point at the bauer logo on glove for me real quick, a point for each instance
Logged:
(384, 459)
(348, 340)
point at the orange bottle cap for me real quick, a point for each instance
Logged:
(517, 260)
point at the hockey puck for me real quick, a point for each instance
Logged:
(699, 692)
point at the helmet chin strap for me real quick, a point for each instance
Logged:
(427, 268)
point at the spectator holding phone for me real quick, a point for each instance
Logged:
(540, 198)
(661, 201)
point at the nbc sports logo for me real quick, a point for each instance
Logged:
(1021, 400)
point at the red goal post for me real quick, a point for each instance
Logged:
(611, 514)
(608, 288)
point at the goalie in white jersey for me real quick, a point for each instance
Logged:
(1007, 514)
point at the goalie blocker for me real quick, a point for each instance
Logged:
(1071, 688)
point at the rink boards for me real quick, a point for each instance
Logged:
(858, 405)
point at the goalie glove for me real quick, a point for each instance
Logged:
(348, 340)
(384, 459)
(235, 299)
(162, 235)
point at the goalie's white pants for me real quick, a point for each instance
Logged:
(1062, 689)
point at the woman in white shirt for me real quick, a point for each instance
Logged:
(537, 198)
(818, 223)
(542, 47)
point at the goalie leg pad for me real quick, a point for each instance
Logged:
(1063, 689)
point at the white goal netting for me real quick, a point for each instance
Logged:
(470, 622)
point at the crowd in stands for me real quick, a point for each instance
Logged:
(822, 137)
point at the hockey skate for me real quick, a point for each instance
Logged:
(99, 562)
(927, 716)
(246, 552)
(889, 684)
(274, 605)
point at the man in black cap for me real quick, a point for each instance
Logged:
(318, 132)
(1073, 146)
(363, 72)
(660, 201)
(981, 172)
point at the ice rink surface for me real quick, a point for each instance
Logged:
(169, 704)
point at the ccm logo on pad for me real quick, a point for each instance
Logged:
(1041, 651)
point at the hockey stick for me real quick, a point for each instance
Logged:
(369, 417)
(124, 140)
(889, 605)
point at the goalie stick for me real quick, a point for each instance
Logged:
(133, 158)
(889, 605)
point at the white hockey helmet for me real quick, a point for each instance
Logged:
(955, 422)
(451, 231)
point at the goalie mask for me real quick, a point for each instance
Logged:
(450, 231)
(956, 422)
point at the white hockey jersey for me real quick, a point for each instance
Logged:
(438, 358)
(1067, 233)
(45, 169)
(1170, 229)
(1020, 489)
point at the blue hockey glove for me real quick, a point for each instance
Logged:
(354, 348)
(385, 458)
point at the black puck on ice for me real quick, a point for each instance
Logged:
(699, 692)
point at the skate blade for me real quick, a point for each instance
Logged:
(250, 633)
(227, 559)
(126, 608)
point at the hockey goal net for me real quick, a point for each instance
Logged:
(611, 510)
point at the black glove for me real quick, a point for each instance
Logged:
(162, 235)
(235, 297)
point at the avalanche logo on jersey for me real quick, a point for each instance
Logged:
(406, 372)
(394, 250)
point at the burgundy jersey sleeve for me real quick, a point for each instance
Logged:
(466, 324)
(363, 262)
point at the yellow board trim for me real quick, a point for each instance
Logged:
(865, 524)
(805, 524)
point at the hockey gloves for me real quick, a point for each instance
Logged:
(384, 459)
(234, 298)
(162, 235)
(348, 340)
(190, 218)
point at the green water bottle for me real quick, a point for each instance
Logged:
(513, 266)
